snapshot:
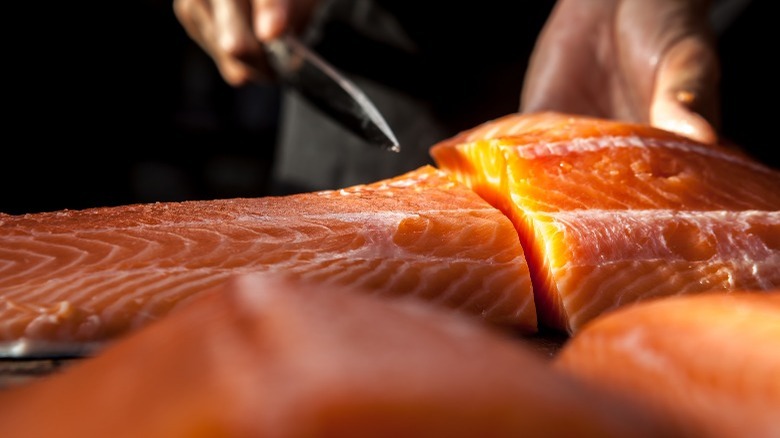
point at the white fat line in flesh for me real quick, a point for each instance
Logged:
(627, 280)
(635, 344)
(170, 285)
(162, 283)
(81, 288)
(516, 128)
(30, 270)
(390, 252)
(157, 240)
(372, 217)
(391, 271)
(151, 291)
(505, 296)
(457, 294)
(243, 220)
(491, 132)
(381, 186)
(385, 187)
(616, 288)
(379, 245)
(504, 292)
(455, 290)
(52, 254)
(645, 356)
(10, 321)
(54, 289)
(88, 289)
(153, 240)
(562, 191)
(179, 295)
(608, 229)
(106, 293)
(593, 144)
(640, 193)
(340, 275)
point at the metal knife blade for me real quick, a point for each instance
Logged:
(330, 91)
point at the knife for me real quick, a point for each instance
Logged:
(330, 91)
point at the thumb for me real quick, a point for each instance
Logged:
(270, 18)
(685, 94)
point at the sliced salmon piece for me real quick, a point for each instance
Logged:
(274, 357)
(611, 213)
(70, 279)
(710, 360)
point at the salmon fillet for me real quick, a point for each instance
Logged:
(710, 360)
(265, 356)
(70, 280)
(611, 213)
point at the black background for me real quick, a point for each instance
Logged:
(108, 104)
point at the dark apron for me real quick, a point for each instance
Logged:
(432, 68)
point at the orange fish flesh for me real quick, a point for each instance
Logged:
(709, 360)
(611, 213)
(265, 356)
(70, 280)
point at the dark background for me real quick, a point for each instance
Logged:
(107, 104)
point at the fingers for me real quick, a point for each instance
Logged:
(232, 32)
(563, 73)
(679, 92)
(238, 52)
(223, 29)
(270, 18)
(685, 95)
(572, 67)
(649, 61)
(195, 17)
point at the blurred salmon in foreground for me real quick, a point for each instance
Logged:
(272, 357)
(70, 280)
(709, 360)
(611, 213)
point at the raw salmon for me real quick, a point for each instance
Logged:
(70, 280)
(710, 360)
(271, 357)
(611, 213)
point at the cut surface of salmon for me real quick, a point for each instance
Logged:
(710, 360)
(611, 213)
(266, 356)
(70, 279)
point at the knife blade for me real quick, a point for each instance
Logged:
(330, 91)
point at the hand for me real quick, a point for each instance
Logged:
(651, 61)
(232, 31)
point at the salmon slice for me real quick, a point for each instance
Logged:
(611, 213)
(710, 360)
(266, 356)
(71, 280)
